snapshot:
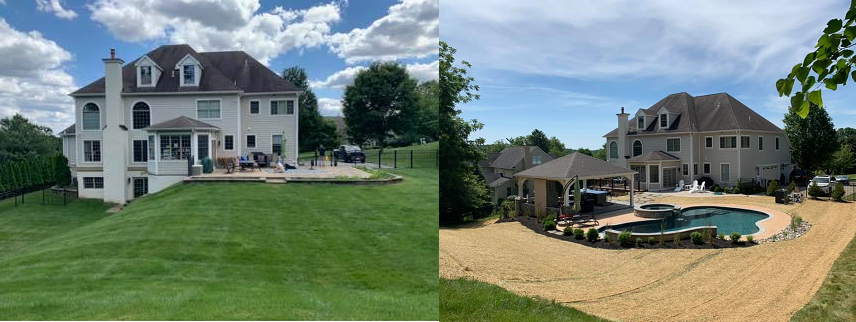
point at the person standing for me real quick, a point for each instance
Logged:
(322, 152)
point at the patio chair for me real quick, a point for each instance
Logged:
(694, 188)
(680, 186)
(261, 159)
(701, 189)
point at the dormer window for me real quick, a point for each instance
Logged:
(640, 122)
(189, 75)
(145, 75)
(664, 120)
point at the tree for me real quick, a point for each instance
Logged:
(496, 146)
(842, 160)
(539, 139)
(380, 103)
(830, 63)
(312, 128)
(557, 148)
(62, 174)
(813, 139)
(837, 192)
(22, 140)
(600, 153)
(427, 109)
(461, 191)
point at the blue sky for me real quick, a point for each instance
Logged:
(567, 67)
(52, 47)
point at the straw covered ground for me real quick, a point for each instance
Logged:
(768, 282)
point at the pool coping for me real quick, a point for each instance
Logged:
(770, 226)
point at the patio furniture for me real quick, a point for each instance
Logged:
(680, 186)
(574, 218)
(229, 165)
(597, 196)
(244, 163)
(262, 160)
(695, 188)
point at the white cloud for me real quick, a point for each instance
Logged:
(607, 39)
(56, 7)
(329, 106)
(223, 25)
(39, 91)
(410, 29)
(345, 77)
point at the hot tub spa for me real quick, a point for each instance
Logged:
(657, 210)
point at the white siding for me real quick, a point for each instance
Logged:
(264, 125)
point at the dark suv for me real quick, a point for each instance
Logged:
(350, 153)
(800, 176)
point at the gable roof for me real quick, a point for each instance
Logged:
(715, 112)
(511, 156)
(69, 130)
(181, 123)
(653, 156)
(575, 164)
(222, 71)
(495, 179)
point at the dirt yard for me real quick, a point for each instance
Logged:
(767, 282)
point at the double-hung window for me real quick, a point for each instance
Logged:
(536, 160)
(91, 117)
(141, 150)
(254, 107)
(276, 144)
(281, 107)
(189, 75)
(251, 140)
(727, 142)
(92, 151)
(640, 123)
(673, 145)
(229, 142)
(145, 75)
(664, 120)
(744, 142)
(208, 109)
(760, 143)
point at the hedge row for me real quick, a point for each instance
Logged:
(35, 172)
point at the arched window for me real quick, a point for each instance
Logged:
(613, 150)
(91, 117)
(142, 115)
(637, 148)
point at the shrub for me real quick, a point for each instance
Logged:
(624, 238)
(579, 233)
(677, 238)
(568, 231)
(550, 218)
(837, 192)
(796, 221)
(735, 237)
(737, 189)
(791, 187)
(639, 242)
(696, 238)
(549, 225)
(722, 236)
(717, 189)
(507, 209)
(772, 187)
(592, 235)
(749, 239)
(651, 240)
(607, 239)
(814, 190)
(727, 190)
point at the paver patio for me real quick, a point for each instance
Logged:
(767, 282)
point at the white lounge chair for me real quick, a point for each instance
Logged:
(694, 188)
(701, 189)
(680, 186)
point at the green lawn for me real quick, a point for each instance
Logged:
(836, 298)
(469, 300)
(228, 252)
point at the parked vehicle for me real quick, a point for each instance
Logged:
(845, 180)
(824, 182)
(800, 176)
(350, 153)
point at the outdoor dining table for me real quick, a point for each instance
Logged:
(247, 163)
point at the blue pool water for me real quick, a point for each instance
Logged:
(726, 220)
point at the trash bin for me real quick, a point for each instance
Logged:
(780, 196)
(207, 165)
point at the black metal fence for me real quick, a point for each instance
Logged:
(45, 195)
(388, 159)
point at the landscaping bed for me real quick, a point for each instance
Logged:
(538, 227)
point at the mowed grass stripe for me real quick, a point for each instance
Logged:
(237, 251)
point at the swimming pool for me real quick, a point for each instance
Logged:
(726, 220)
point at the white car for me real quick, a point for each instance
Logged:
(824, 182)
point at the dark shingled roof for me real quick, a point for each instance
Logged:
(181, 123)
(575, 164)
(653, 156)
(69, 130)
(715, 112)
(221, 71)
(511, 156)
(495, 179)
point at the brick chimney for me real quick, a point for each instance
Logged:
(622, 138)
(114, 136)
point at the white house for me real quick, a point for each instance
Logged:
(136, 128)
(682, 137)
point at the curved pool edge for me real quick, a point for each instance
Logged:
(775, 223)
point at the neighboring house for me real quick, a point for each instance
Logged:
(682, 137)
(137, 127)
(499, 169)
